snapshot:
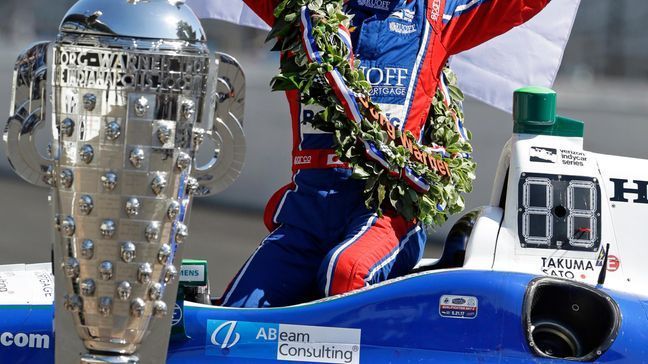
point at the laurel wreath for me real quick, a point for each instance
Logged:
(383, 190)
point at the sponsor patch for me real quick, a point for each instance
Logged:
(404, 14)
(375, 4)
(302, 160)
(399, 28)
(258, 340)
(459, 307)
(307, 116)
(333, 159)
(387, 82)
(436, 10)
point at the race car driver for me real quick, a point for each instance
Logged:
(324, 241)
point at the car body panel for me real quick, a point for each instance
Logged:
(398, 321)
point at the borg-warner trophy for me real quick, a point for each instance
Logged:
(130, 91)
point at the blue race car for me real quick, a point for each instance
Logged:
(538, 276)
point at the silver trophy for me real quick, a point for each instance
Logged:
(130, 91)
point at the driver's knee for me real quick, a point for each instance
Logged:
(347, 274)
(381, 253)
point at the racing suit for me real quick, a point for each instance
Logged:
(324, 240)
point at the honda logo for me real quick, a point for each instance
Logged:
(637, 190)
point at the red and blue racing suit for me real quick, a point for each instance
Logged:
(324, 240)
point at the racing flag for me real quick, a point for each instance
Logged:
(233, 11)
(527, 55)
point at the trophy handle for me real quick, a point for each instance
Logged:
(28, 109)
(223, 120)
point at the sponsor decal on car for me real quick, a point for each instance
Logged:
(259, 340)
(24, 340)
(459, 307)
(46, 281)
(177, 314)
(3, 286)
(561, 156)
(20, 286)
(543, 155)
(570, 268)
(192, 273)
(634, 191)
(613, 263)
(573, 158)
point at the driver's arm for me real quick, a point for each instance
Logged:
(469, 23)
(264, 9)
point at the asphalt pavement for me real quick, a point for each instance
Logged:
(227, 228)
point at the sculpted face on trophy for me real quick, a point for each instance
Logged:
(130, 98)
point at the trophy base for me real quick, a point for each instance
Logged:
(109, 359)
